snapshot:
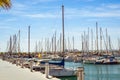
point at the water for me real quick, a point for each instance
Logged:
(97, 72)
(69, 78)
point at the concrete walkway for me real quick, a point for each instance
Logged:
(10, 71)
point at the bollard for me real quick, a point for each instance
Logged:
(22, 66)
(17, 61)
(31, 66)
(47, 69)
(80, 73)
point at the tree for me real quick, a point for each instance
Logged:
(6, 4)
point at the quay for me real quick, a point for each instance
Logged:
(10, 71)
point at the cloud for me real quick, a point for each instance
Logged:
(40, 1)
(102, 11)
(85, 0)
(20, 9)
(46, 15)
(42, 15)
(10, 20)
(101, 14)
(21, 6)
(17, 9)
(4, 27)
(46, 0)
(112, 6)
(91, 11)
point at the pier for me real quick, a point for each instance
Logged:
(10, 71)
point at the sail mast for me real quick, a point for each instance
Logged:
(106, 41)
(100, 40)
(63, 25)
(29, 39)
(60, 42)
(97, 36)
(73, 43)
(63, 31)
(55, 44)
(92, 41)
(19, 42)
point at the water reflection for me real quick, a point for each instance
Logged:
(97, 72)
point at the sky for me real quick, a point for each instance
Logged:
(44, 17)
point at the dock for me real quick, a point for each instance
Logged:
(10, 71)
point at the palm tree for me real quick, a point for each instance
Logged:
(6, 4)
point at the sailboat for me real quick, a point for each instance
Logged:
(62, 72)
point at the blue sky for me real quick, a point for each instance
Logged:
(44, 17)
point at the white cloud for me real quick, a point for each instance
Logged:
(102, 14)
(46, 0)
(10, 20)
(86, 0)
(19, 6)
(44, 15)
(91, 11)
(4, 27)
(111, 6)
(39, 1)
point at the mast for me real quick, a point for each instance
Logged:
(110, 46)
(119, 45)
(63, 30)
(55, 44)
(82, 45)
(97, 36)
(19, 42)
(39, 46)
(100, 40)
(69, 46)
(28, 39)
(88, 42)
(63, 25)
(10, 46)
(106, 41)
(84, 42)
(45, 46)
(92, 41)
(52, 44)
(73, 43)
(14, 44)
(36, 47)
(48, 45)
(60, 42)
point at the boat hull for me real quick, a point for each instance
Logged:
(62, 72)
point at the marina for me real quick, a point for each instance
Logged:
(43, 66)
(91, 72)
(77, 42)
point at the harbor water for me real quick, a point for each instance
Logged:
(96, 72)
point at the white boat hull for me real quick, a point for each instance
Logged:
(61, 72)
